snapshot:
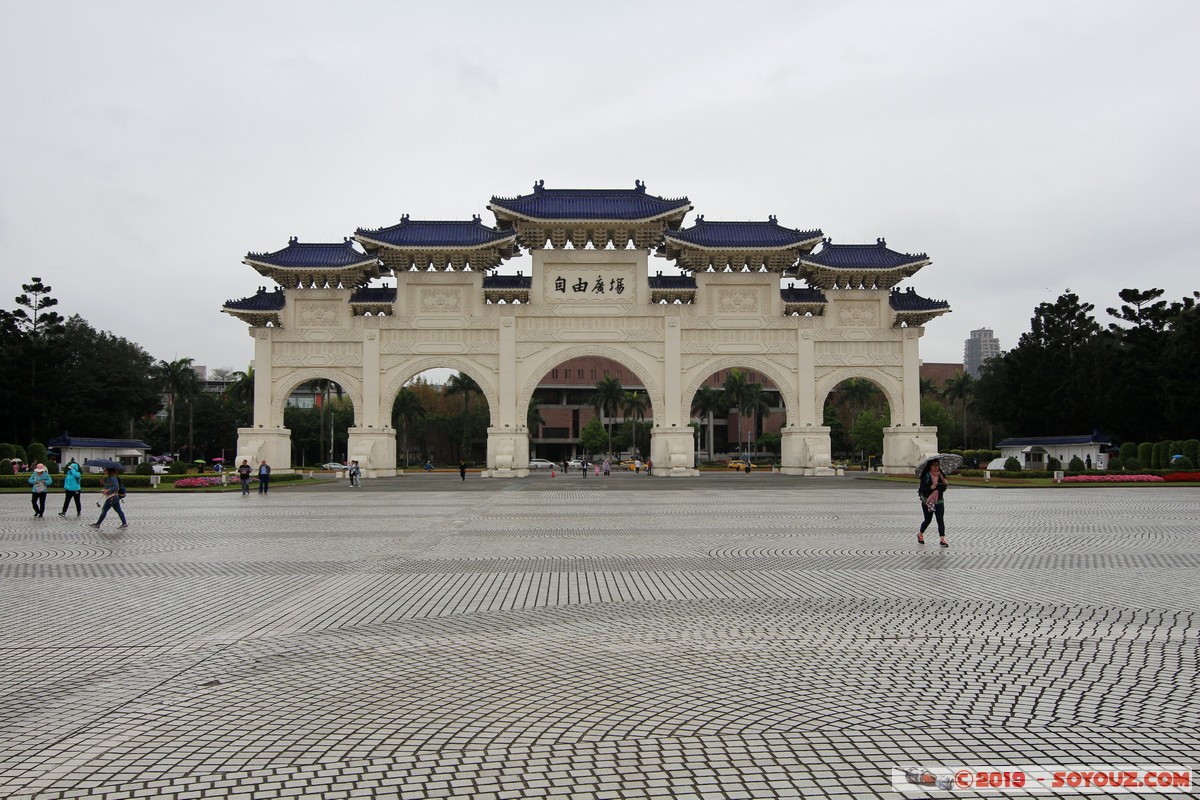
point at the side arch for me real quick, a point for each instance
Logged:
(286, 384)
(699, 374)
(889, 384)
(626, 358)
(484, 376)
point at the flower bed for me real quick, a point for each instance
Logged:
(1191, 477)
(1113, 479)
(197, 483)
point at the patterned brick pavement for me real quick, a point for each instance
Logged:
(724, 637)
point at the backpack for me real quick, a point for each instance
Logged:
(120, 489)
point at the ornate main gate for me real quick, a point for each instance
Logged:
(590, 293)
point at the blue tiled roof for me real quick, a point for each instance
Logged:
(377, 294)
(262, 300)
(80, 441)
(296, 254)
(507, 281)
(661, 281)
(908, 300)
(433, 234)
(743, 235)
(861, 256)
(1025, 441)
(802, 294)
(590, 204)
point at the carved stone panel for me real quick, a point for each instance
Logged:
(317, 314)
(857, 315)
(739, 300)
(439, 299)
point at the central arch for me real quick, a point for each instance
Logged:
(701, 372)
(292, 380)
(483, 377)
(625, 358)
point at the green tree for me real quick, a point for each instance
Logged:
(867, 432)
(755, 405)
(593, 437)
(179, 381)
(405, 412)
(707, 402)
(606, 401)
(533, 417)
(634, 405)
(737, 393)
(465, 385)
(961, 389)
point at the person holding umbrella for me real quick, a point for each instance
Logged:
(932, 491)
(113, 490)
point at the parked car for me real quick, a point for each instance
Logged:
(540, 463)
(736, 463)
(576, 463)
(334, 466)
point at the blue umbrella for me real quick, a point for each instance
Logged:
(105, 463)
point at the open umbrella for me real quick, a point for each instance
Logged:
(217, 459)
(105, 463)
(199, 461)
(947, 461)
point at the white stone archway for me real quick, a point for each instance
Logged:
(589, 294)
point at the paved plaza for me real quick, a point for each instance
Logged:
(728, 636)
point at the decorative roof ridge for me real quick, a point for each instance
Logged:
(405, 220)
(639, 187)
(880, 243)
(346, 244)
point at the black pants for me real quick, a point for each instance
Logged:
(72, 494)
(264, 483)
(39, 503)
(939, 511)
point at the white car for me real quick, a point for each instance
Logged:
(576, 463)
(540, 463)
(334, 466)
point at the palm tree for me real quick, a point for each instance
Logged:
(179, 381)
(607, 401)
(466, 386)
(533, 417)
(961, 387)
(407, 409)
(241, 389)
(755, 404)
(735, 391)
(707, 402)
(634, 404)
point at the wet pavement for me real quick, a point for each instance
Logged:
(729, 636)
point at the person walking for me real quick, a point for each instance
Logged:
(73, 487)
(462, 469)
(607, 467)
(932, 491)
(244, 476)
(264, 477)
(355, 473)
(649, 466)
(113, 492)
(41, 482)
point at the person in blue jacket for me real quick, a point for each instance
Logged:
(41, 482)
(112, 499)
(73, 486)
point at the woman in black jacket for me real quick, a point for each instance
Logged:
(933, 491)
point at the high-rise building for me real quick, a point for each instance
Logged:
(979, 348)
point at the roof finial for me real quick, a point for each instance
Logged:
(292, 240)
(827, 240)
(540, 185)
(403, 218)
(880, 241)
(476, 218)
(699, 219)
(771, 218)
(637, 184)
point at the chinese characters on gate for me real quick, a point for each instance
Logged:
(581, 286)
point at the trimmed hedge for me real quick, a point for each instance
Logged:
(94, 481)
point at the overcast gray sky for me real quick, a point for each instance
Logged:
(1027, 147)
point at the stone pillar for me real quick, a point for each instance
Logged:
(673, 451)
(904, 446)
(911, 414)
(272, 445)
(264, 394)
(374, 449)
(508, 453)
(371, 416)
(806, 450)
(807, 412)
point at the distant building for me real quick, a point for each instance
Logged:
(938, 373)
(979, 348)
(1034, 452)
(129, 452)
